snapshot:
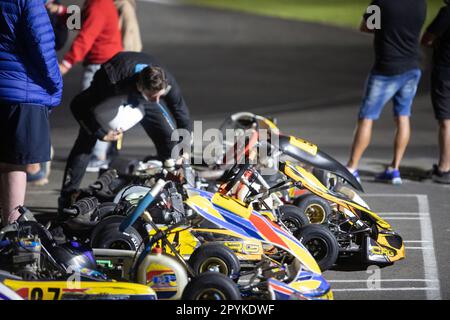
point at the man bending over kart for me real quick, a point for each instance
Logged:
(129, 78)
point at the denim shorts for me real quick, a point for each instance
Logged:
(380, 89)
(24, 134)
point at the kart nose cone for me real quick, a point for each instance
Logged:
(307, 286)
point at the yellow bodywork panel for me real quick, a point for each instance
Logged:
(186, 243)
(310, 182)
(233, 205)
(269, 215)
(303, 145)
(385, 248)
(55, 290)
(299, 174)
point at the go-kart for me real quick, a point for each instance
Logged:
(294, 271)
(35, 267)
(356, 229)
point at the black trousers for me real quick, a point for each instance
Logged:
(157, 123)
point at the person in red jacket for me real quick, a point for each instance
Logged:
(98, 40)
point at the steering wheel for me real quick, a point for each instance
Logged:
(234, 175)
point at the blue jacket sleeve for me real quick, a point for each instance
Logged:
(40, 44)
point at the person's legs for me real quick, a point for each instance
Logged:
(440, 97)
(407, 87)
(24, 139)
(101, 147)
(88, 74)
(402, 135)
(403, 101)
(378, 91)
(444, 145)
(361, 141)
(13, 183)
(76, 166)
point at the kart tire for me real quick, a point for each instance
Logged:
(211, 286)
(104, 210)
(321, 243)
(107, 235)
(293, 217)
(315, 208)
(215, 257)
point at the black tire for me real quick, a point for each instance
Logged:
(321, 243)
(315, 208)
(211, 286)
(107, 235)
(215, 257)
(104, 210)
(292, 217)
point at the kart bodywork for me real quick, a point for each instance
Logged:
(301, 275)
(229, 213)
(82, 290)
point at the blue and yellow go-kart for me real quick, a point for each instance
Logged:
(296, 272)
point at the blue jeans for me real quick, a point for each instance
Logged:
(380, 89)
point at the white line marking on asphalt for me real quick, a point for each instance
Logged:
(429, 256)
(382, 280)
(403, 218)
(416, 241)
(428, 289)
(401, 214)
(419, 248)
(382, 195)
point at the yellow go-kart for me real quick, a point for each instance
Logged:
(35, 267)
(353, 229)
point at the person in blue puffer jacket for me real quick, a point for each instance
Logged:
(30, 84)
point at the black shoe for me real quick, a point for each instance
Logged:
(440, 176)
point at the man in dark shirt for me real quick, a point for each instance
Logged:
(438, 37)
(129, 78)
(395, 75)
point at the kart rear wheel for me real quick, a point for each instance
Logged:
(108, 236)
(321, 243)
(211, 286)
(314, 207)
(215, 257)
(293, 218)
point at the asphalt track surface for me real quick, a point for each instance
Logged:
(310, 77)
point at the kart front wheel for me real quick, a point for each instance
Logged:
(315, 208)
(293, 218)
(211, 286)
(215, 257)
(321, 243)
(108, 236)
